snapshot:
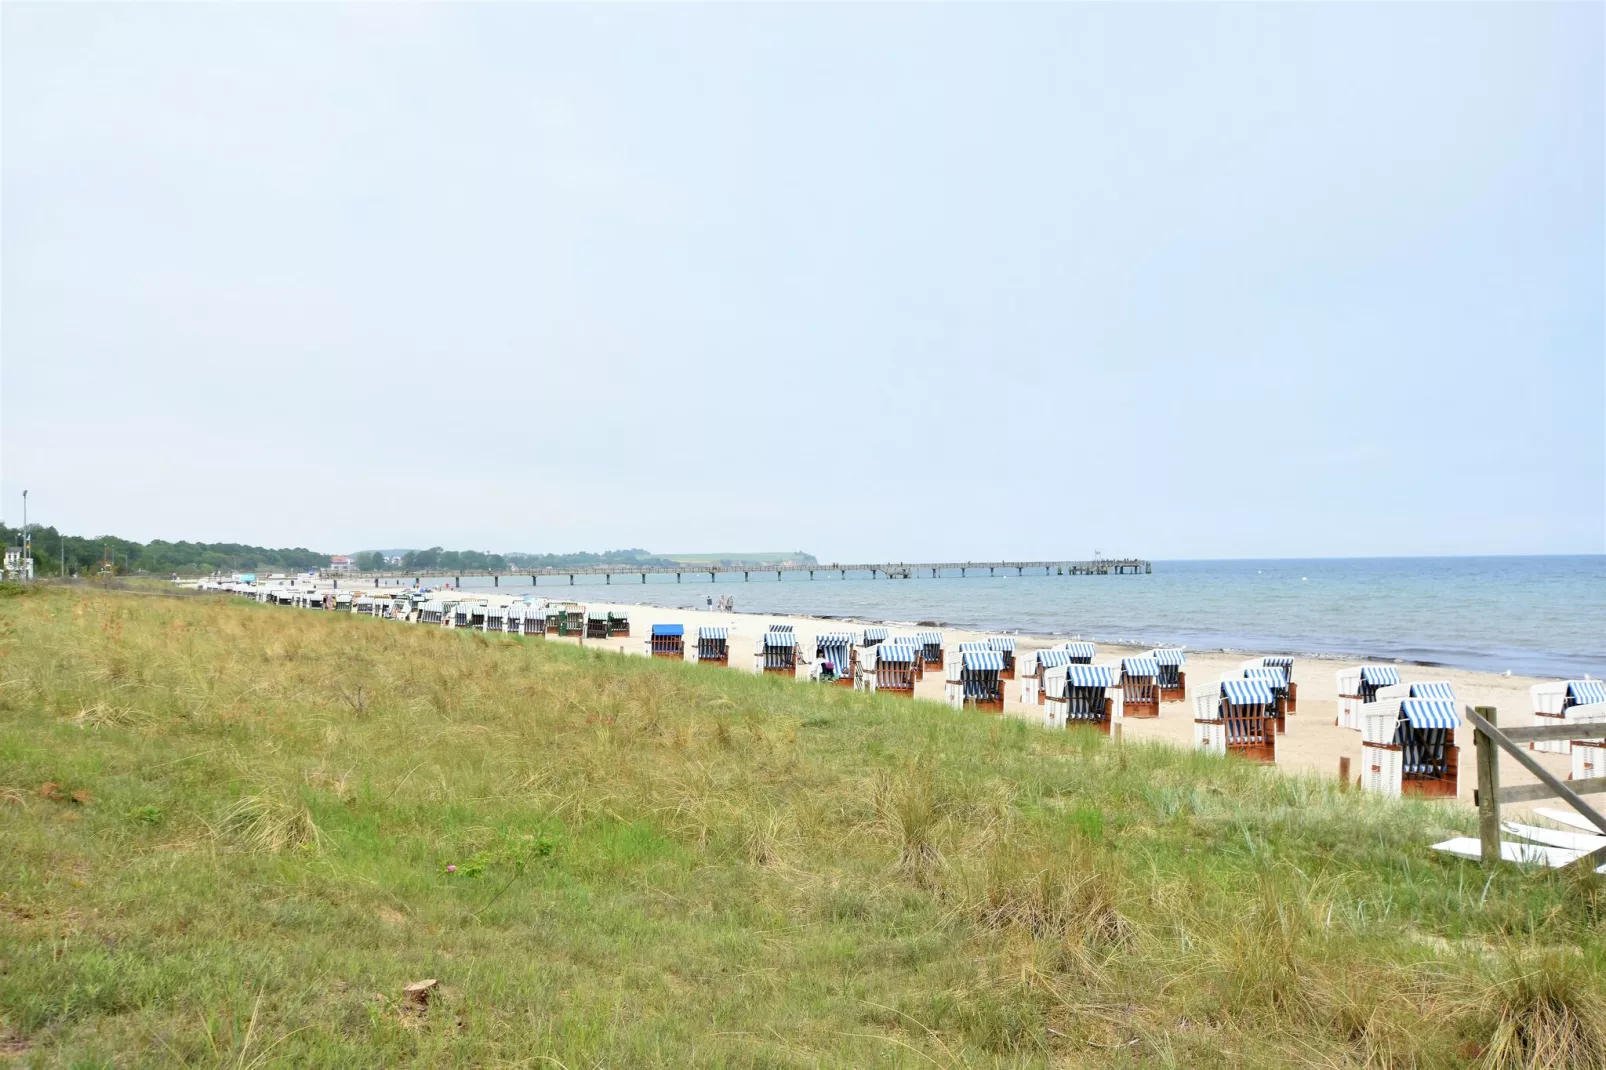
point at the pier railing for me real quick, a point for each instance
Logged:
(891, 570)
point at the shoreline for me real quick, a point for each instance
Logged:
(1461, 652)
(1050, 638)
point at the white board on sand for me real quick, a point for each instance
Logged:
(1573, 841)
(1567, 817)
(1530, 854)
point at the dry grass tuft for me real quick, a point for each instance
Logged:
(1549, 1014)
(269, 823)
(907, 806)
(105, 715)
(1067, 895)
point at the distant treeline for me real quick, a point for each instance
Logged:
(436, 559)
(84, 555)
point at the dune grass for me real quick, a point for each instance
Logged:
(231, 834)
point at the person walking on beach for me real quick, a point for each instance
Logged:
(710, 603)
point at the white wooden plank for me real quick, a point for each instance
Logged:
(1573, 841)
(1531, 854)
(1567, 817)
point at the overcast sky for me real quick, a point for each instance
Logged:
(878, 282)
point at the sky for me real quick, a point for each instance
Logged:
(878, 282)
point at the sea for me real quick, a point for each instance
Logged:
(1533, 616)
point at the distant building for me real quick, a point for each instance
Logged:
(340, 563)
(17, 567)
(395, 561)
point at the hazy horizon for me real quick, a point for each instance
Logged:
(1181, 282)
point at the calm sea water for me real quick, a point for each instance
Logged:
(1543, 616)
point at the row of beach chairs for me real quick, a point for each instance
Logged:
(1407, 729)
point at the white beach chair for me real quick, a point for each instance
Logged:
(1087, 696)
(1358, 686)
(1553, 703)
(1408, 744)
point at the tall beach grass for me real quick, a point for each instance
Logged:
(231, 834)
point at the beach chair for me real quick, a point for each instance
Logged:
(1032, 669)
(1237, 717)
(1589, 755)
(1082, 696)
(1140, 687)
(1276, 678)
(1173, 678)
(1078, 651)
(777, 652)
(1358, 687)
(1005, 645)
(429, 613)
(513, 617)
(972, 679)
(494, 617)
(363, 607)
(835, 659)
(571, 620)
(914, 644)
(874, 636)
(618, 625)
(596, 624)
(535, 620)
(461, 613)
(890, 667)
(1408, 747)
(930, 650)
(667, 641)
(1289, 691)
(713, 646)
(1553, 703)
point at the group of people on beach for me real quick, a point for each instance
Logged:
(726, 604)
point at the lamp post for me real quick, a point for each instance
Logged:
(27, 541)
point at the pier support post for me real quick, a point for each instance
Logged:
(811, 573)
(532, 579)
(458, 582)
(607, 579)
(677, 577)
(777, 575)
(571, 579)
(643, 577)
(844, 574)
(745, 577)
(496, 580)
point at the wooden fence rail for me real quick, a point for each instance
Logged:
(1490, 740)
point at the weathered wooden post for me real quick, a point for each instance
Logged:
(1488, 789)
(1343, 772)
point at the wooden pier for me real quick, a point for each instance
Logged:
(891, 570)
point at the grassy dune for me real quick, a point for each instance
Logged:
(226, 832)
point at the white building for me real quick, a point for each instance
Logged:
(16, 566)
(340, 563)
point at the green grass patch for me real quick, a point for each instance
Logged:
(232, 834)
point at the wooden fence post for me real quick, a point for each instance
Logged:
(1343, 772)
(1488, 789)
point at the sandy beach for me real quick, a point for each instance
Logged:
(1313, 742)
